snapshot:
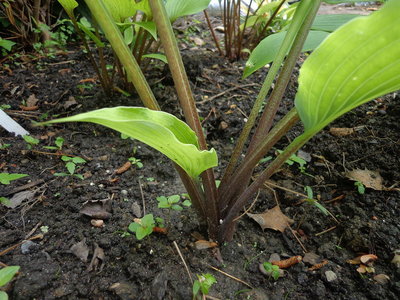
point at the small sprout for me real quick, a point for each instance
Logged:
(4, 146)
(150, 179)
(71, 163)
(59, 142)
(272, 270)
(5, 201)
(31, 141)
(310, 199)
(6, 178)
(44, 229)
(202, 285)
(142, 227)
(136, 162)
(360, 187)
(172, 202)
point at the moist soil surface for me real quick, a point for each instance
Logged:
(63, 256)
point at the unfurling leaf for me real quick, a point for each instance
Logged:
(159, 130)
(180, 8)
(356, 63)
(273, 219)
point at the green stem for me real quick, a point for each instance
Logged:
(228, 225)
(272, 106)
(187, 103)
(116, 40)
(296, 23)
(237, 180)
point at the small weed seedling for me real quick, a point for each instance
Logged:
(30, 141)
(143, 227)
(6, 274)
(171, 202)
(6, 178)
(202, 285)
(59, 142)
(71, 163)
(310, 199)
(136, 162)
(272, 270)
(360, 187)
(4, 146)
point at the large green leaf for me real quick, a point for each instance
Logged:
(347, 1)
(7, 273)
(69, 6)
(330, 23)
(358, 62)
(160, 130)
(268, 48)
(120, 9)
(180, 8)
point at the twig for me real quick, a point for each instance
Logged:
(38, 236)
(226, 91)
(183, 260)
(284, 189)
(142, 195)
(25, 187)
(298, 240)
(247, 210)
(325, 231)
(33, 230)
(230, 276)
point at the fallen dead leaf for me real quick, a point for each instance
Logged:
(70, 102)
(97, 259)
(365, 269)
(98, 209)
(80, 250)
(396, 258)
(32, 101)
(273, 219)
(18, 198)
(203, 244)
(382, 278)
(341, 131)
(371, 179)
(137, 211)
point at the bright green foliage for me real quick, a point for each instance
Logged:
(357, 63)
(160, 130)
(5, 201)
(58, 142)
(31, 141)
(6, 44)
(203, 284)
(71, 163)
(120, 9)
(271, 269)
(6, 178)
(180, 8)
(68, 5)
(6, 274)
(360, 187)
(136, 162)
(330, 23)
(143, 227)
(158, 56)
(171, 202)
(310, 199)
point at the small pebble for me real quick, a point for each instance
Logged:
(28, 247)
(330, 276)
(124, 192)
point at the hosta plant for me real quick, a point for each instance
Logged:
(354, 64)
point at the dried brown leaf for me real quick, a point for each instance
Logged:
(368, 258)
(80, 250)
(97, 209)
(371, 179)
(32, 101)
(273, 219)
(382, 278)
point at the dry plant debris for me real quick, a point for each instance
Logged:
(273, 219)
(371, 179)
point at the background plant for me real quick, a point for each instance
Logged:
(356, 63)
(6, 274)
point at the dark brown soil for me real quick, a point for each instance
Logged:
(151, 268)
